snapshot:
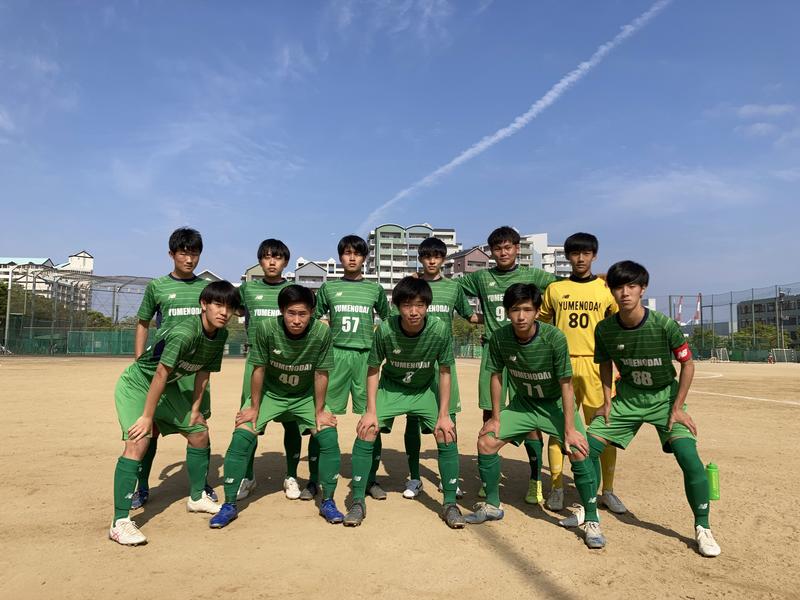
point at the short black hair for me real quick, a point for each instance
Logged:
(432, 247)
(223, 292)
(522, 292)
(503, 234)
(626, 272)
(186, 238)
(296, 294)
(581, 242)
(273, 247)
(409, 288)
(354, 242)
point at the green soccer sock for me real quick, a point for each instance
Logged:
(125, 476)
(413, 442)
(330, 459)
(292, 444)
(596, 448)
(376, 460)
(313, 459)
(242, 444)
(534, 449)
(695, 480)
(448, 470)
(362, 461)
(197, 460)
(489, 468)
(147, 464)
(586, 485)
(250, 474)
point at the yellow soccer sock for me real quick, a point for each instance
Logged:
(556, 460)
(608, 462)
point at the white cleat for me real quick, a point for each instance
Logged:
(593, 536)
(612, 502)
(203, 504)
(246, 487)
(706, 543)
(555, 501)
(413, 488)
(576, 519)
(291, 488)
(125, 532)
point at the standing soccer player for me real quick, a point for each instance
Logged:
(576, 305)
(147, 396)
(349, 304)
(448, 297)
(642, 344)
(171, 299)
(489, 286)
(409, 346)
(260, 301)
(291, 357)
(537, 361)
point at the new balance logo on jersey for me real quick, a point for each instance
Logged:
(260, 297)
(492, 283)
(513, 358)
(621, 347)
(337, 294)
(172, 296)
(276, 351)
(396, 351)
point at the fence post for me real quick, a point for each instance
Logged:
(733, 343)
(753, 313)
(778, 317)
(8, 307)
(702, 326)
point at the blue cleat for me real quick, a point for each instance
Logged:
(211, 493)
(226, 514)
(328, 510)
(139, 498)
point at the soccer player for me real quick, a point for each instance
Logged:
(536, 358)
(576, 305)
(260, 300)
(291, 357)
(642, 344)
(171, 299)
(349, 304)
(409, 346)
(448, 297)
(489, 285)
(147, 396)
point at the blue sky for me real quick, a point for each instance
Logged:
(680, 149)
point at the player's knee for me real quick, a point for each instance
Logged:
(136, 450)
(487, 444)
(198, 439)
(368, 436)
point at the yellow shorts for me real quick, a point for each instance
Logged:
(586, 382)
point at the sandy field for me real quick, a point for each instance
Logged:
(62, 440)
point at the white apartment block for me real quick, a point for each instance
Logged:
(67, 281)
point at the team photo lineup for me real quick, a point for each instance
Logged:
(576, 365)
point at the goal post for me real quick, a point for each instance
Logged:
(720, 355)
(784, 355)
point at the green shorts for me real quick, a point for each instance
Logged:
(275, 408)
(632, 407)
(394, 400)
(348, 377)
(186, 385)
(455, 395)
(521, 417)
(173, 411)
(484, 384)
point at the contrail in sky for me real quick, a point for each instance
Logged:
(553, 94)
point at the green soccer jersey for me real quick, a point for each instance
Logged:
(489, 286)
(643, 354)
(349, 305)
(185, 348)
(171, 300)
(289, 363)
(447, 297)
(411, 360)
(534, 367)
(260, 301)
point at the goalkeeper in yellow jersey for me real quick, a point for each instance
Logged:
(576, 305)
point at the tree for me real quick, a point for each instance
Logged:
(96, 320)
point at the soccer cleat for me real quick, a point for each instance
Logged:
(246, 487)
(555, 501)
(211, 493)
(413, 488)
(483, 511)
(593, 536)
(459, 491)
(139, 498)
(453, 517)
(203, 504)
(226, 514)
(291, 488)
(328, 510)
(309, 491)
(534, 495)
(376, 491)
(575, 519)
(612, 502)
(125, 532)
(356, 514)
(706, 543)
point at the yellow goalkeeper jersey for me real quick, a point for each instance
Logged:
(576, 306)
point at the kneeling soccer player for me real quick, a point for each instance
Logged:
(148, 394)
(642, 343)
(536, 358)
(411, 344)
(291, 357)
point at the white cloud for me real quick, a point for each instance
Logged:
(759, 129)
(293, 62)
(751, 111)
(426, 20)
(6, 122)
(790, 175)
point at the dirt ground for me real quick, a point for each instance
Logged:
(62, 439)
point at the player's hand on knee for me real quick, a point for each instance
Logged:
(140, 429)
(367, 424)
(446, 429)
(246, 415)
(576, 443)
(197, 418)
(325, 419)
(490, 426)
(681, 416)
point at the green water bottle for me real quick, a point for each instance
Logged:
(712, 471)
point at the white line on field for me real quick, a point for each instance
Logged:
(789, 402)
(707, 375)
